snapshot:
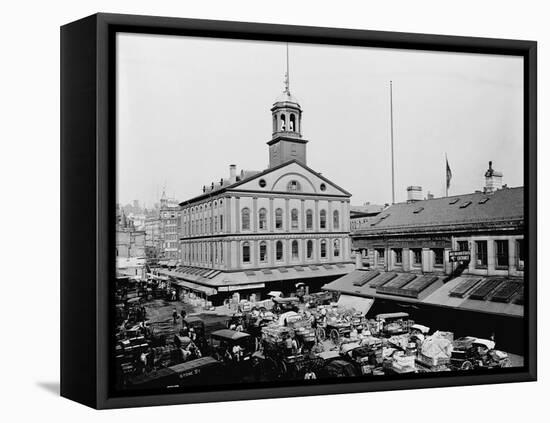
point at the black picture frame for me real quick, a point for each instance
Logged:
(88, 198)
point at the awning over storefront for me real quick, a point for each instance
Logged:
(230, 288)
(251, 279)
(196, 287)
(353, 303)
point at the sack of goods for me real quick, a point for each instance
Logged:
(436, 349)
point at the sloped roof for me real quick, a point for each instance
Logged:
(249, 175)
(437, 293)
(503, 205)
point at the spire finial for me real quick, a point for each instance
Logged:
(287, 74)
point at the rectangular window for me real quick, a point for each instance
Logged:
(380, 252)
(501, 247)
(463, 246)
(246, 252)
(398, 256)
(520, 254)
(438, 257)
(417, 256)
(481, 254)
(263, 251)
(221, 223)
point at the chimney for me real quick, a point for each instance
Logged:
(493, 180)
(414, 193)
(232, 174)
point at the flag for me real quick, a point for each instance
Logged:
(449, 173)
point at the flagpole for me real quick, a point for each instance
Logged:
(446, 176)
(392, 157)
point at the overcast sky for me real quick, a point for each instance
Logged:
(188, 107)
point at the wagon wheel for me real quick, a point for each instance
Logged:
(334, 336)
(320, 333)
(467, 365)
(257, 344)
(283, 369)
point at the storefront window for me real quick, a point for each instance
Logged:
(417, 256)
(438, 256)
(501, 248)
(398, 254)
(481, 254)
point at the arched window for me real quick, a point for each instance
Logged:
(294, 250)
(283, 122)
(294, 218)
(336, 248)
(309, 248)
(246, 252)
(279, 250)
(294, 186)
(323, 219)
(262, 218)
(263, 251)
(279, 219)
(323, 248)
(292, 124)
(221, 222)
(309, 219)
(336, 219)
(274, 123)
(245, 218)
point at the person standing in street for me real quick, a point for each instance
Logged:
(175, 316)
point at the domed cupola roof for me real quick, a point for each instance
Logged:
(286, 97)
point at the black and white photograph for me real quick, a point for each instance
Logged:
(293, 214)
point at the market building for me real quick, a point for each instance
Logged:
(458, 258)
(261, 230)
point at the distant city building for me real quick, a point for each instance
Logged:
(130, 247)
(169, 216)
(361, 216)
